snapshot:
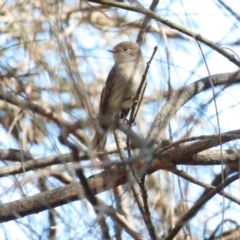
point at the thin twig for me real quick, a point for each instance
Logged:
(145, 22)
(168, 23)
(130, 175)
(140, 101)
(143, 205)
(235, 14)
(208, 187)
(198, 205)
(147, 216)
(137, 95)
(218, 123)
(87, 189)
(122, 221)
(118, 193)
(133, 184)
(233, 134)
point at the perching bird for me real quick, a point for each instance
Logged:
(121, 86)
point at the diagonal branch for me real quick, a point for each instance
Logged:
(145, 22)
(197, 206)
(86, 186)
(168, 23)
(162, 119)
(208, 187)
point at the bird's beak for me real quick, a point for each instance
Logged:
(113, 51)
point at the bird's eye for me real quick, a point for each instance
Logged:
(125, 48)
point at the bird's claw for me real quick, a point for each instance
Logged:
(129, 123)
(134, 99)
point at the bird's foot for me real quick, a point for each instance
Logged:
(134, 99)
(128, 122)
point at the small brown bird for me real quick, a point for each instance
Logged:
(121, 86)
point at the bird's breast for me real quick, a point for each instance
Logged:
(126, 85)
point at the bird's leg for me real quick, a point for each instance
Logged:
(123, 115)
(134, 99)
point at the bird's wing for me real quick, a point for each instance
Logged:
(107, 90)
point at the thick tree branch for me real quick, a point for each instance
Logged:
(88, 192)
(183, 155)
(27, 105)
(162, 119)
(116, 176)
(103, 181)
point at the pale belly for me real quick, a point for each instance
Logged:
(123, 89)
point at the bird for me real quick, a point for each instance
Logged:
(118, 94)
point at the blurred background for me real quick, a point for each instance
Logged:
(55, 54)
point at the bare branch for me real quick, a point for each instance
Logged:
(152, 15)
(145, 22)
(159, 125)
(197, 206)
